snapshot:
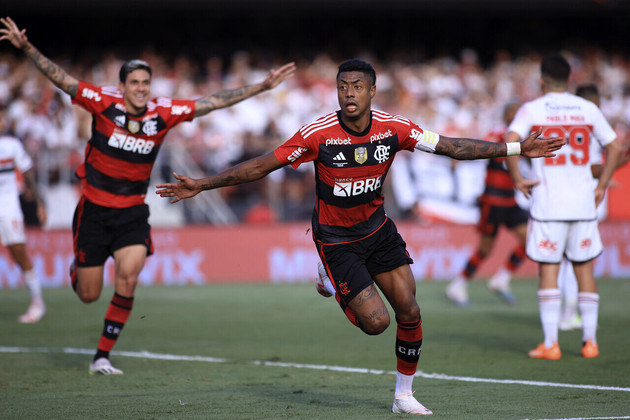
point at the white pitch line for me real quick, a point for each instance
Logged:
(162, 356)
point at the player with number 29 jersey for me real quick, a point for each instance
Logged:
(565, 189)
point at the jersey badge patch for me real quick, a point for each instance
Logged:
(360, 155)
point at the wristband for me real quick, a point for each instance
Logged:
(513, 148)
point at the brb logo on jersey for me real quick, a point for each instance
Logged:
(350, 189)
(180, 109)
(131, 144)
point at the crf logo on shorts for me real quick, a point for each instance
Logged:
(548, 245)
(585, 243)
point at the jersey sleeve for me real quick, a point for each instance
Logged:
(413, 137)
(91, 97)
(521, 124)
(176, 110)
(22, 160)
(297, 150)
(602, 130)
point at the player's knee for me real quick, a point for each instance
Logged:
(87, 296)
(375, 325)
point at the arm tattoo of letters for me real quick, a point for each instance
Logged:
(466, 149)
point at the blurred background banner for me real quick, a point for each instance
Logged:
(449, 65)
(285, 253)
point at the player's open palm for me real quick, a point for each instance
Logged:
(535, 147)
(275, 77)
(185, 188)
(12, 33)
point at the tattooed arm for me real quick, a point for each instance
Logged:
(466, 149)
(56, 74)
(230, 97)
(247, 171)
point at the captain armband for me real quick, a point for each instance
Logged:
(513, 149)
(427, 140)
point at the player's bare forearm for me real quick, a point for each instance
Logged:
(226, 98)
(468, 149)
(55, 74)
(613, 156)
(251, 170)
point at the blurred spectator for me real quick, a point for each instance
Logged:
(454, 95)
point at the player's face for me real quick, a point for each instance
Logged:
(355, 92)
(136, 90)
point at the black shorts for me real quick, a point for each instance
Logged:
(494, 216)
(99, 231)
(353, 265)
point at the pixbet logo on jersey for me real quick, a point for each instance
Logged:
(131, 144)
(338, 141)
(381, 136)
(349, 189)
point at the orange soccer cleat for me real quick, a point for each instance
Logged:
(542, 352)
(590, 350)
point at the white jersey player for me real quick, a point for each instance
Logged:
(563, 211)
(13, 157)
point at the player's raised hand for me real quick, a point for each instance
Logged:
(185, 188)
(534, 147)
(12, 33)
(275, 77)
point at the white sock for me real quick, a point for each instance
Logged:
(549, 304)
(589, 307)
(33, 285)
(403, 384)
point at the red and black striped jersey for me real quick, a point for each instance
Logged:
(499, 188)
(121, 153)
(350, 170)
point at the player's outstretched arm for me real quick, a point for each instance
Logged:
(247, 171)
(56, 74)
(467, 149)
(230, 97)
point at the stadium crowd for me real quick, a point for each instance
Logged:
(452, 95)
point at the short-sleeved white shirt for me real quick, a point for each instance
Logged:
(565, 189)
(12, 157)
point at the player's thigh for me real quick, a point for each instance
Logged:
(583, 241)
(12, 227)
(399, 287)
(129, 261)
(346, 268)
(546, 241)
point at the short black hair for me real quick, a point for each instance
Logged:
(358, 65)
(132, 65)
(587, 91)
(556, 67)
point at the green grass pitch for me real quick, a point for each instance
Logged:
(291, 325)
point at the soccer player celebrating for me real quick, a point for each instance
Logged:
(352, 150)
(111, 217)
(13, 157)
(563, 211)
(498, 207)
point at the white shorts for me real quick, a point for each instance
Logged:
(547, 242)
(12, 229)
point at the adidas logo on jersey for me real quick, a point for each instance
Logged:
(340, 160)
